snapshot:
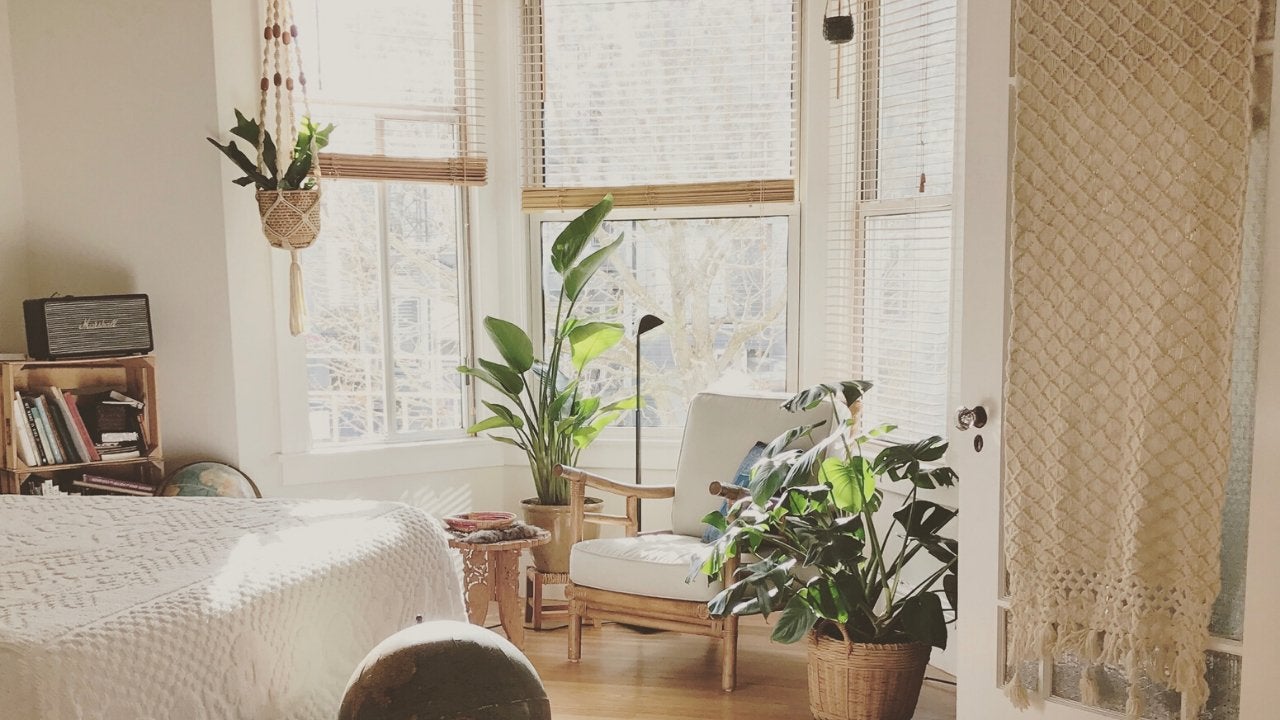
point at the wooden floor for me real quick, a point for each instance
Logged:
(667, 676)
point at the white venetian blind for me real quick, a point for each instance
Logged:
(661, 102)
(399, 80)
(890, 271)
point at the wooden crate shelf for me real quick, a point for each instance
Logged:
(134, 376)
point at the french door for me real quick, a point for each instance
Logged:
(1245, 660)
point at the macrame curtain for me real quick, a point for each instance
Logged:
(1131, 137)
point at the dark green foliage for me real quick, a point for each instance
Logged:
(296, 176)
(822, 560)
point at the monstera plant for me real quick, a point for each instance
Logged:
(545, 409)
(866, 586)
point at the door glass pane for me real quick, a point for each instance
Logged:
(1159, 703)
(1228, 612)
(721, 286)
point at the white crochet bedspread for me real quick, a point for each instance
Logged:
(166, 608)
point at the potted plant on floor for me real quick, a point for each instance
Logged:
(546, 411)
(834, 573)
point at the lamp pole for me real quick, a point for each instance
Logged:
(647, 323)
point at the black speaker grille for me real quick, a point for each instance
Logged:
(78, 327)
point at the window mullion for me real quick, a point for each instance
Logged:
(388, 319)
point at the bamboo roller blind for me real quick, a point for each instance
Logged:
(660, 102)
(399, 80)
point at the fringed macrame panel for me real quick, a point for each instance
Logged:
(1130, 163)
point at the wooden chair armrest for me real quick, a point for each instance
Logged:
(644, 492)
(580, 480)
(732, 493)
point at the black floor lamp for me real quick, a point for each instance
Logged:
(647, 323)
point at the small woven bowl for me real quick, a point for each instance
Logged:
(472, 521)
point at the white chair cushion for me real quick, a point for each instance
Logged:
(649, 565)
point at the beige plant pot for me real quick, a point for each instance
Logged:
(860, 681)
(554, 556)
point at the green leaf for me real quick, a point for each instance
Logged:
(510, 379)
(627, 403)
(715, 520)
(784, 440)
(809, 398)
(512, 342)
(486, 377)
(950, 586)
(488, 424)
(851, 482)
(575, 281)
(924, 621)
(569, 244)
(923, 518)
(586, 407)
(795, 621)
(589, 340)
(503, 412)
(242, 161)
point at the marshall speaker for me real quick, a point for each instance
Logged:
(67, 328)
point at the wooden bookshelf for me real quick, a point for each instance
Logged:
(134, 376)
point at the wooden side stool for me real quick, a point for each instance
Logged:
(536, 609)
(492, 570)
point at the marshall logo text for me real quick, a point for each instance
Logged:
(99, 324)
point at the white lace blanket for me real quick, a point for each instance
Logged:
(163, 608)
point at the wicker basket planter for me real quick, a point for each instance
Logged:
(859, 681)
(291, 218)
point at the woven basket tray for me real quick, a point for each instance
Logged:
(858, 681)
(290, 219)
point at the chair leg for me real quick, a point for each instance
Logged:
(575, 634)
(729, 655)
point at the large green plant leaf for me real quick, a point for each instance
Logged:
(783, 441)
(809, 398)
(795, 621)
(505, 413)
(923, 518)
(510, 379)
(589, 340)
(575, 281)
(851, 481)
(512, 342)
(569, 244)
(488, 424)
(924, 621)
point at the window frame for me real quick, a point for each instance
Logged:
(292, 352)
(791, 211)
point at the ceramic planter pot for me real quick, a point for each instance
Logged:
(862, 681)
(554, 556)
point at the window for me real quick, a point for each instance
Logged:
(388, 317)
(687, 110)
(721, 286)
(893, 109)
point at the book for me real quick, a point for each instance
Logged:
(46, 430)
(118, 451)
(26, 445)
(66, 425)
(61, 437)
(127, 487)
(73, 410)
(29, 410)
(115, 437)
(125, 399)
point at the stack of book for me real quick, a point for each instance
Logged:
(61, 428)
(114, 485)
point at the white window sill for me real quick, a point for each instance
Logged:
(365, 462)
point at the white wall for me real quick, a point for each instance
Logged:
(13, 277)
(122, 192)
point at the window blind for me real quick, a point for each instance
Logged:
(890, 233)
(399, 79)
(661, 102)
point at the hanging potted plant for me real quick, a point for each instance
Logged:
(837, 28)
(287, 183)
(545, 411)
(836, 577)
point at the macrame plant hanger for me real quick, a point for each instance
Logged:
(290, 218)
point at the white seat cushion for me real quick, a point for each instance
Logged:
(649, 565)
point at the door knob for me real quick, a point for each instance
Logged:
(967, 417)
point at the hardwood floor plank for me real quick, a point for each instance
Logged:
(625, 674)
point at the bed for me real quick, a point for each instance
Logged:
(163, 608)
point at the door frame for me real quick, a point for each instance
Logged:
(985, 90)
